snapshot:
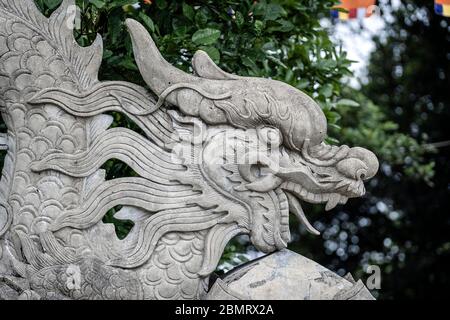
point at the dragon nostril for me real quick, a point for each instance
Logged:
(361, 174)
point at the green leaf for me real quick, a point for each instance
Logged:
(273, 11)
(120, 3)
(129, 64)
(259, 26)
(147, 20)
(206, 36)
(107, 54)
(283, 26)
(212, 52)
(239, 19)
(348, 103)
(180, 31)
(327, 64)
(114, 28)
(98, 3)
(200, 18)
(277, 61)
(331, 140)
(333, 117)
(246, 61)
(288, 76)
(161, 4)
(188, 11)
(334, 126)
(52, 4)
(326, 90)
(302, 84)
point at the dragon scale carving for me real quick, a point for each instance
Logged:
(222, 155)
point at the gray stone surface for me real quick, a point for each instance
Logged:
(221, 155)
(286, 275)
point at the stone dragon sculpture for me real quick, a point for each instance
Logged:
(221, 155)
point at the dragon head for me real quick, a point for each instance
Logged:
(265, 143)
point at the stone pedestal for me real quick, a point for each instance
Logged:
(286, 275)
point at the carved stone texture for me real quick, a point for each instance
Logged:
(288, 275)
(221, 155)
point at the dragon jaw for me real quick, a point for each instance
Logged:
(330, 184)
(275, 225)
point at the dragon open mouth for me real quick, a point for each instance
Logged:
(296, 192)
(293, 185)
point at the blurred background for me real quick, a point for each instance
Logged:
(383, 82)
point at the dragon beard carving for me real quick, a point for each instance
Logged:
(222, 155)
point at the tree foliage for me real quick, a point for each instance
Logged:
(409, 77)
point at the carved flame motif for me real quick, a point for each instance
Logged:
(222, 155)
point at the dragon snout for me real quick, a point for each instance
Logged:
(360, 164)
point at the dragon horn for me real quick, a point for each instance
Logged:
(179, 88)
(156, 71)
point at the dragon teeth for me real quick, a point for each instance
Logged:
(350, 187)
(343, 200)
(318, 198)
(290, 185)
(332, 201)
(303, 192)
(362, 189)
(283, 204)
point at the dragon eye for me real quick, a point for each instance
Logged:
(255, 170)
(271, 136)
